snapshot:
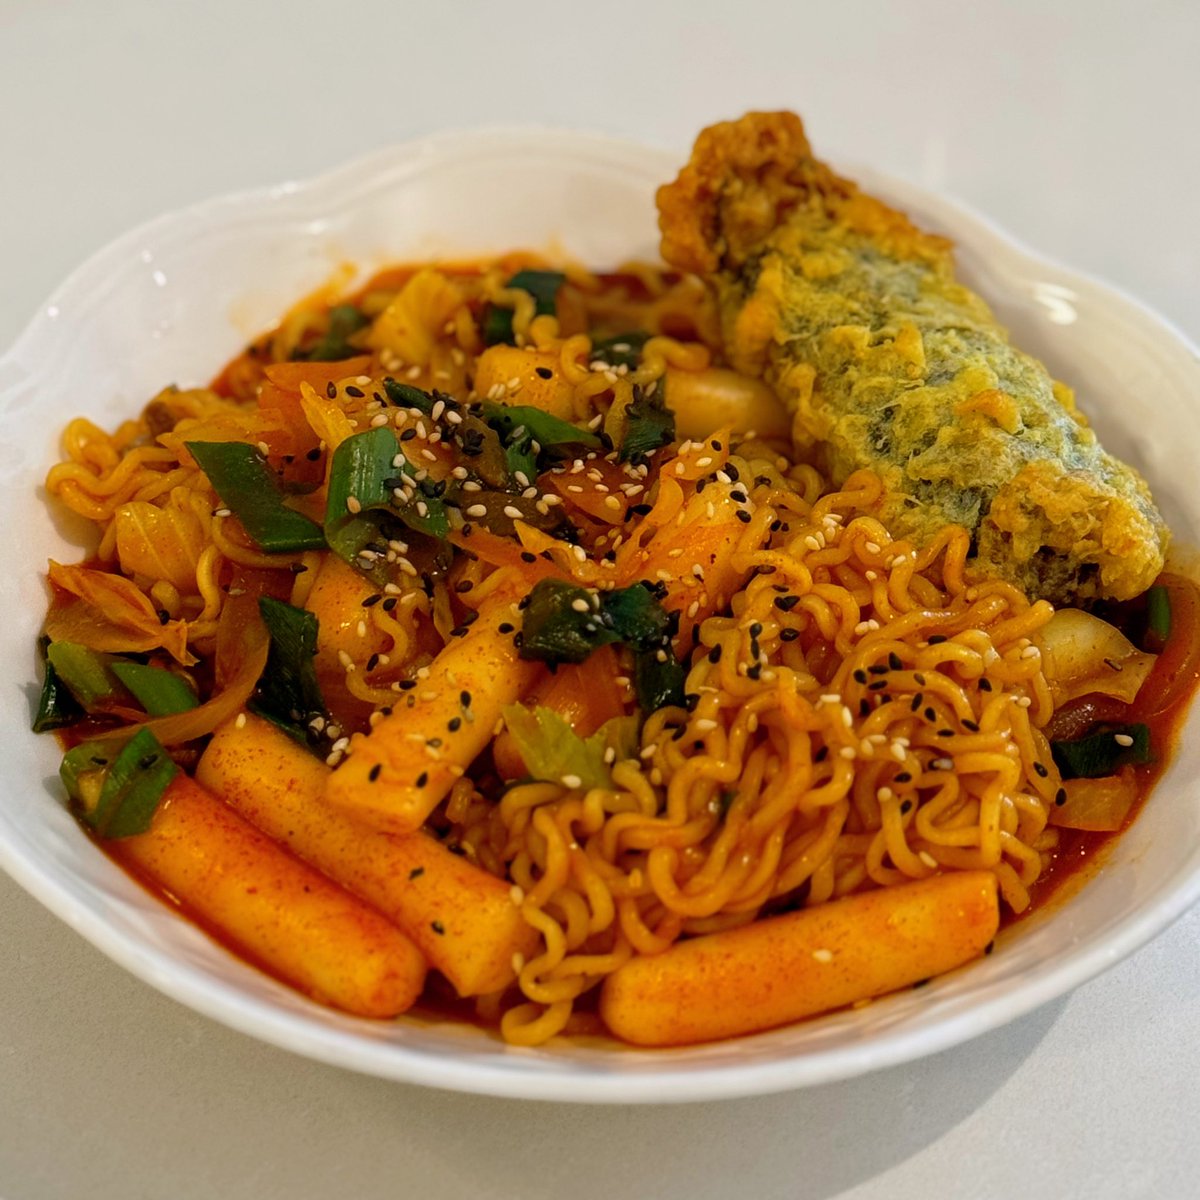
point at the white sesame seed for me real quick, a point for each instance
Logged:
(512, 512)
(928, 860)
(848, 752)
(477, 510)
(580, 605)
(240, 723)
(1122, 739)
(352, 503)
(571, 781)
(823, 956)
(704, 725)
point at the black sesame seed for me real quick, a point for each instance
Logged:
(906, 807)
(864, 708)
(314, 454)
(464, 698)
(357, 393)
(895, 661)
(544, 372)
(860, 676)
(505, 627)
(714, 655)
(372, 663)
(390, 603)
(985, 685)
(331, 390)
(936, 639)
(1040, 770)
(878, 685)
(454, 724)
(931, 714)
(743, 516)
(416, 873)
(788, 635)
(786, 603)
(437, 927)
(527, 557)
(1060, 797)
(945, 733)
(374, 773)
(407, 685)
(821, 755)
(903, 777)
(422, 779)
(971, 725)
(408, 435)
(463, 585)
(372, 599)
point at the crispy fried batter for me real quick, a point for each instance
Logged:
(852, 314)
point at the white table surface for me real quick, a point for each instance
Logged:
(1074, 125)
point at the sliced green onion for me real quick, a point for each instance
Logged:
(1158, 617)
(132, 789)
(57, 707)
(404, 395)
(241, 477)
(545, 428)
(361, 498)
(344, 320)
(541, 285)
(1103, 751)
(85, 672)
(288, 693)
(159, 692)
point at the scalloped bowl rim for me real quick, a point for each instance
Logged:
(296, 1031)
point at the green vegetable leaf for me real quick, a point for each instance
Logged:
(623, 350)
(241, 477)
(159, 692)
(132, 788)
(563, 623)
(1100, 753)
(649, 424)
(288, 693)
(541, 285)
(362, 477)
(344, 320)
(57, 707)
(553, 751)
(658, 678)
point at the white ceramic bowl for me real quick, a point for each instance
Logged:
(173, 300)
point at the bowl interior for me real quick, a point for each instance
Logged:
(173, 300)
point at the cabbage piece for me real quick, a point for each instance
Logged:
(1083, 655)
(553, 751)
(1098, 805)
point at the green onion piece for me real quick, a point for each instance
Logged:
(649, 424)
(624, 350)
(1158, 617)
(545, 428)
(361, 501)
(57, 707)
(344, 320)
(565, 623)
(404, 395)
(85, 672)
(288, 693)
(159, 692)
(541, 285)
(83, 769)
(241, 477)
(1100, 753)
(132, 789)
(658, 680)
(557, 628)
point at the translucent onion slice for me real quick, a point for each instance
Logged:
(1083, 655)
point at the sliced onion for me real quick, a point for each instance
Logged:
(1083, 655)
(1098, 805)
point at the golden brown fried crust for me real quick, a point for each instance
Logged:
(742, 180)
